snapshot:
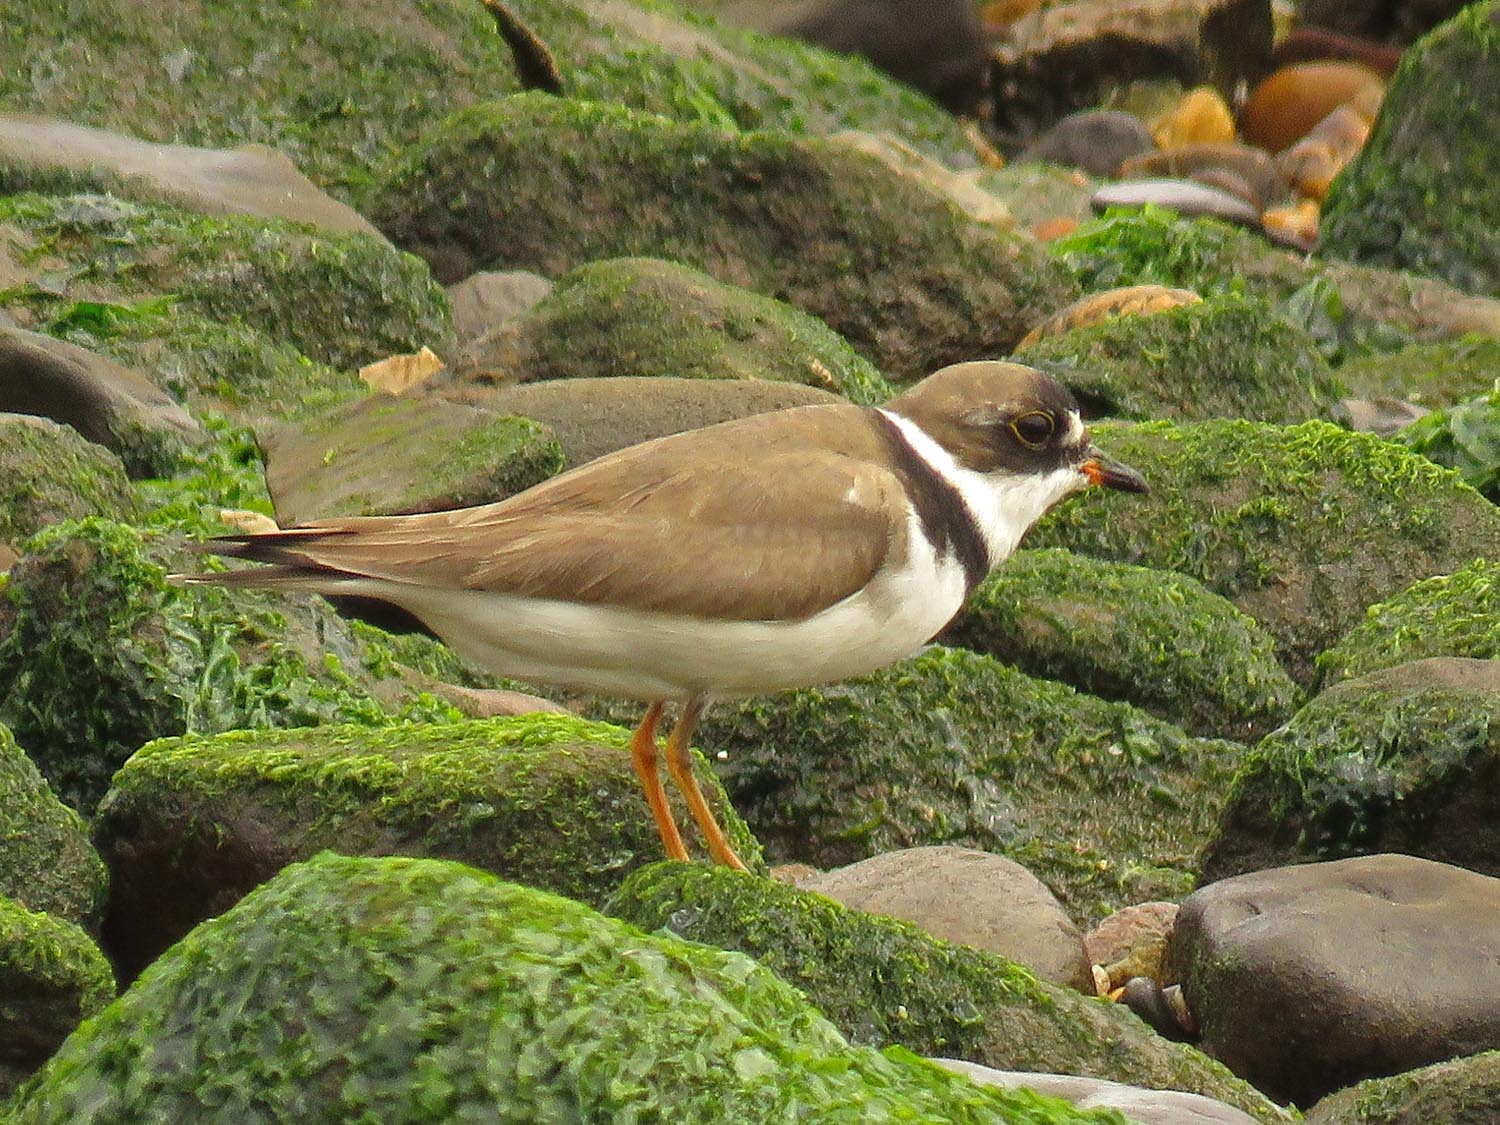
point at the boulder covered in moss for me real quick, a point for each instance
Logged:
(1462, 1091)
(1301, 527)
(1420, 195)
(882, 980)
(1227, 357)
(1433, 375)
(47, 862)
(1454, 614)
(417, 990)
(100, 654)
(1349, 309)
(1153, 638)
(548, 184)
(48, 474)
(384, 454)
(51, 978)
(1464, 437)
(645, 316)
(1103, 802)
(192, 824)
(1401, 760)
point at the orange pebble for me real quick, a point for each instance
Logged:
(1201, 117)
(1286, 105)
(999, 14)
(1311, 164)
(1055, 227)
(1295, 224)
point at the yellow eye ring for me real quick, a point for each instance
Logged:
(1034, 428)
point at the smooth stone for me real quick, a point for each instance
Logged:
(1307, 979)
(1250, 166)
(971, 897)
(1133, 942)
(250, 180)
(1186, 196)
(1383, 416)
(1146, 1107)
(486, 299)
(1096, 140)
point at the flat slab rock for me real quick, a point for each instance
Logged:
(1308, 979)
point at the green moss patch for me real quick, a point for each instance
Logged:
(1153, 638)
(883, 981)
(1464, 437)
(418, 990)
(644, 316)
(1102, 801)
(1458, 1092)
(1301, 527)
(51, 977)
(191, 824)
(1227, 357)
(46, 860)
(1421, 194)
(548, 184)
(1436, 375)
(1402, 760)
(48, 473)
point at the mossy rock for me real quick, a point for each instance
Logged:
(280, 76)
(99, 654)
(51, 978)
(1301, 527)
(48, 474)
(881, 980)
(1462, 1091)
(1420, 195)
(1436, 375)
(1153, 638)
(1226, 357)
(1101, 801)
(644, 316)
(190, 825)
(384, 454)
(48, 863)
(1349, 309)
(339, 299)
(1402, 760)
(1464, 437)
(418, 990)
(547, 184)
(1454, 614)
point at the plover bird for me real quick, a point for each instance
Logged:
(777, 551)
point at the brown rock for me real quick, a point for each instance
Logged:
(1129, 300)
(485, 300)
(1254, 166)
(1285, 106)
(971, 897)
(1133, 942)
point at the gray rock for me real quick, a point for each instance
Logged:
(112, 405)
(1148, 1107)
(1307, 979)
(592, 417)
(1095, 140)
(484, 300)
(971, 897)
(250, 180)
(1189, 197)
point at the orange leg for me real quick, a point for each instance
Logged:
(680, 766)
(643, 755)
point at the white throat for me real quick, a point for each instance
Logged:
(1003, 505)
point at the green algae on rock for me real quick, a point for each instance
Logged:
(1153, 638)
(645, 316)
(1454, 614)
(99, 654)
(340, 299)
(47, 863)
(1464, 437)
(51, 978)
(1420, 194)
(1227, 357)
(1301, 527)
(547, 184)
(418, 990)
(1435, 375)
(192, 824)
(1349, 309)
(1461, 1091)
(1103, 802)
(1400, 760)
(48, 474)
(882, 980)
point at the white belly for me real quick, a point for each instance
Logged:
(648, 655)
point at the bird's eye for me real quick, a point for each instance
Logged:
(1034, 428)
